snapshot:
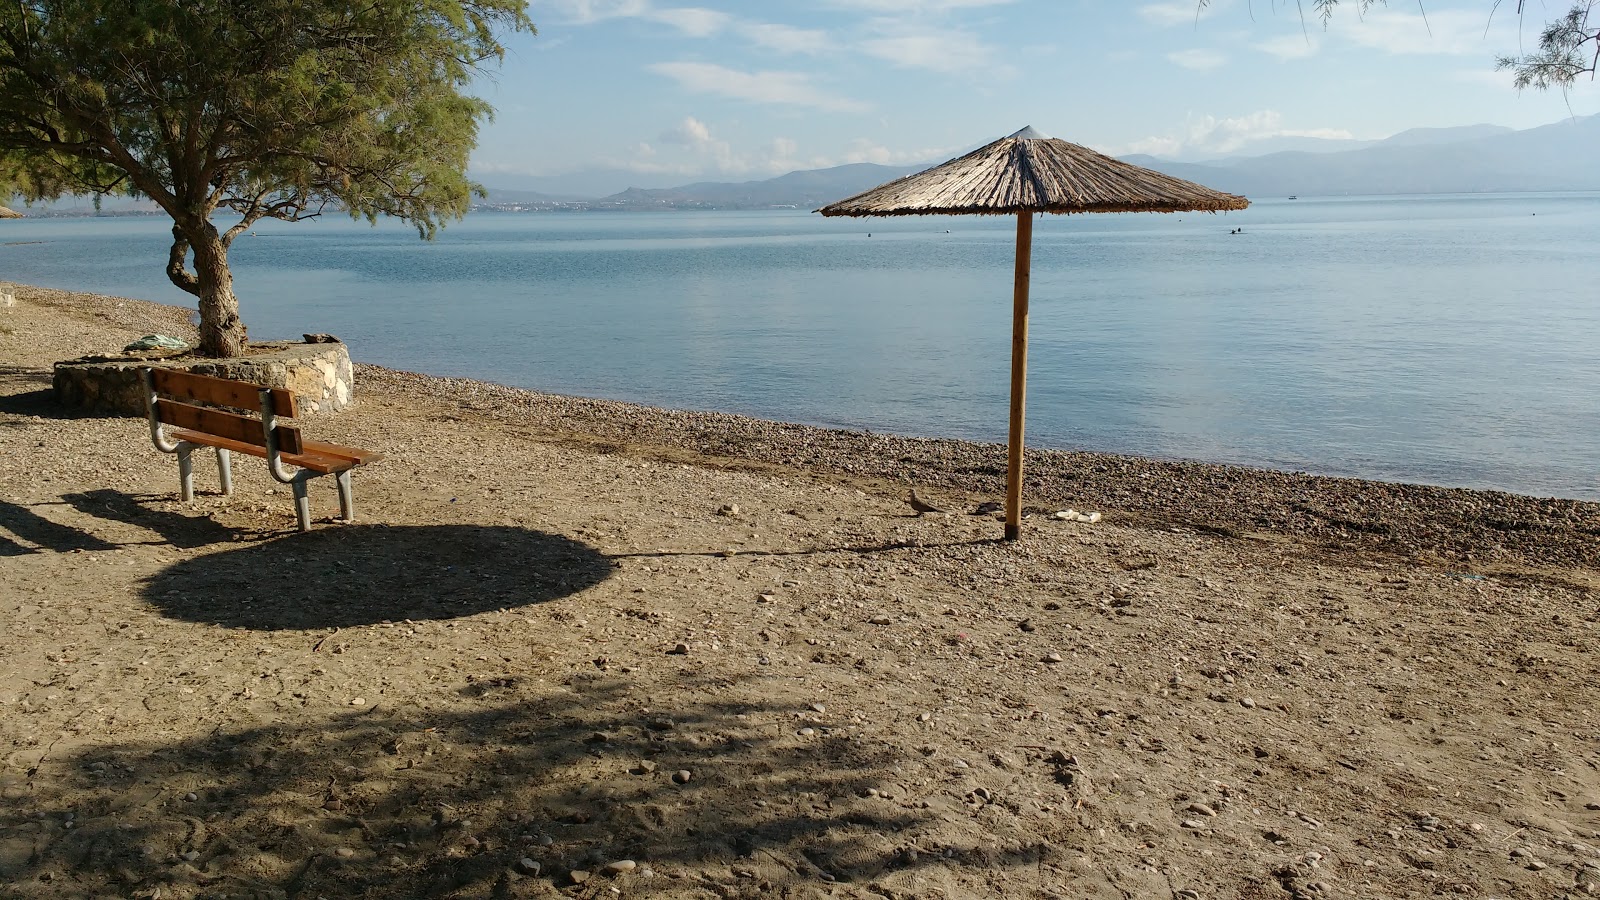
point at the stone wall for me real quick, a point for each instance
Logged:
(320, 375)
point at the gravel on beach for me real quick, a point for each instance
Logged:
(579, 648)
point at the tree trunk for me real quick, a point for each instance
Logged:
(222, 333)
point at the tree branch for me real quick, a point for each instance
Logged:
(177, 259)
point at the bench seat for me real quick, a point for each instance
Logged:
(323, 458)
(189, 411)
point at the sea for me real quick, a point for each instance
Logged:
(1444, 339)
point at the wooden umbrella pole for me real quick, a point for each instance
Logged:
(1019, 374)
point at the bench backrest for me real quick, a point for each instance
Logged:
(187, 386)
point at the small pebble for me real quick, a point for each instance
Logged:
(1247, 703)
(359, 701)
(682, 776)
(1052, 657)
(818, 707)
(806, 732)
(1202, 809)
(578, 876)
(528, 866)
(618, 867)
(679, 650)
(345, 852)
(191, 796)
(880, 620)
(1195, 824)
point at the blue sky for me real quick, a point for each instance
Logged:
(740, 91)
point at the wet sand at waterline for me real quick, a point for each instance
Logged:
(571, 646)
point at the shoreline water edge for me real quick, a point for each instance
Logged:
(1406, 519)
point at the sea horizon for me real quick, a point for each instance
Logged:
(1440, 339)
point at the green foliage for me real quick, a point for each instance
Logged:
(267, 108)
(1569, 47)
(270, 107)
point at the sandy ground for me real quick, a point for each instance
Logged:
(593, 650)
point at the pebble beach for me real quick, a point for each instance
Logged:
(577, 647)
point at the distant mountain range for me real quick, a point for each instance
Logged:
(1468, 159)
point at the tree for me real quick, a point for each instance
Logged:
(1569, 47)
(261, 108)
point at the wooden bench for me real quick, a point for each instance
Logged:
(184, 416)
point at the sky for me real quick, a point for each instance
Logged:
(667, 94)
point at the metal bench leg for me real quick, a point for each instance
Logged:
(186, 472)
(302, 503)
(225, 471)
(347, 497)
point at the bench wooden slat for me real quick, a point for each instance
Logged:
(316, 462)
(226, 425)
(220, 391)
(354, 454)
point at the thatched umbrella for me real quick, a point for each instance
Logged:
(8, 213)
(1028, 173)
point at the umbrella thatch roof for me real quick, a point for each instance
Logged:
(1028, 172)
(8, 213)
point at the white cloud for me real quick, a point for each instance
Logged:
(690, 131)
(902, 7)
(1291, 46)
(691, 20)
(1199, 60)
(785, 38)
(588, 12)
(781, 88)
(936, 49)
(1209, 134)
(1454, 32)
(1178, 12)
(701, 153)
(862, 150)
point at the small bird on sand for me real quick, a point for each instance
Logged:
(921, 506)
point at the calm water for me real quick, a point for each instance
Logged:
(1452, 340)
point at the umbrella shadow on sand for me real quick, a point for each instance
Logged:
(366, 574)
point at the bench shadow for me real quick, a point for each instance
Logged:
(30, 526)
(187, 532)
(366, 574)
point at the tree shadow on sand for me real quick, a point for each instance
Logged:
(365, 574)
(399, 801)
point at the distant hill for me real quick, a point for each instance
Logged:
(1556, 157)
(1290, 144)
(1467, 159)
(806, 189)
(507, 197)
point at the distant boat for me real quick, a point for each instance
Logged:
(1293, 197)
